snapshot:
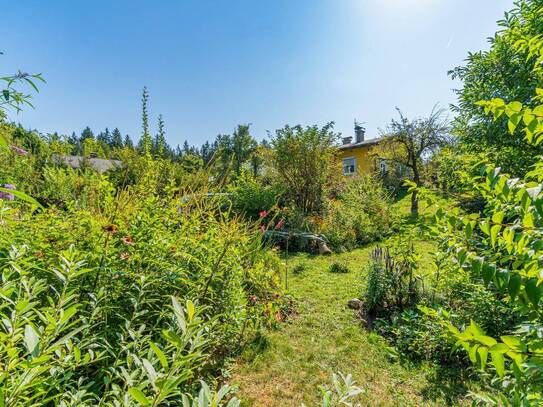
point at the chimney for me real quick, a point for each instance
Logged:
(347, 140)
(359, 132)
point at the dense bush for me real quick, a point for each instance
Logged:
(337, 267)
(251, 196)
(361, 213)
(392, 284)
(88, 279)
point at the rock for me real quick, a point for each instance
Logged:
(355, 303)
(323, 248)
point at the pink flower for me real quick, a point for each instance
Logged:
(262, 228)
(280, 224)
(19, 150)
(6, 195)
(263, 214)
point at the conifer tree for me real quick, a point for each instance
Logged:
(86, 133)
(128, 142)
(116, 139)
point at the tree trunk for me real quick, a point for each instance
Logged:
(414, 204)
(414, 195)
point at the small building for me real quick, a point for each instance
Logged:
(355, 156)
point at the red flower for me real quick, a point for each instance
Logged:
(280, 224)
(263, 214)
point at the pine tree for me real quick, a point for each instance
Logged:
(146, 142)
(85, 134)
(128, 142)
(186, 147)
(116, 139)
(104, 137)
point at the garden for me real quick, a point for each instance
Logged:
(196, 276)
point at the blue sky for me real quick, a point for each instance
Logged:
(211, 64)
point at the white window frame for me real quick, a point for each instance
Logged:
(353, 166)
(383, 167)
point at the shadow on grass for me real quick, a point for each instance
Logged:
(448, 383)
(256, 347)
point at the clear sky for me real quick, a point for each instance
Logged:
(212, 64)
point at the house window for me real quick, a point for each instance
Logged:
(349, 166)
(383, 167)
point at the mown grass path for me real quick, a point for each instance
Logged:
(288, 366)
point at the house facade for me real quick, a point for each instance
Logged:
(355, 155)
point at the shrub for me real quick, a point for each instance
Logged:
(104, 297)
(250, 197)
(337, 267)
(299, 269)
(54, 350)
(361, 214)
(392, 285)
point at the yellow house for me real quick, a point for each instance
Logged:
(355, 157)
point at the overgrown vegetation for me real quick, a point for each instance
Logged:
(141, 282)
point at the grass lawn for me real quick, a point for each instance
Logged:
(286, 366)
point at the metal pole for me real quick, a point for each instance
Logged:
(286, 263)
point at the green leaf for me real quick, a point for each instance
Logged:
(514, 285)
(513, 342)
(160, 355)
(528, 220)
(482, 354)
(499, 348)
(191, 310)
(138, 395)
(494, 230)
(32, 340)
(22, 196)
(498, 362)
(473, 353)
(532, 291)
(488, 273)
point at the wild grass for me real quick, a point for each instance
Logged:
(287, 366)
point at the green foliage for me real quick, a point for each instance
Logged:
(501, 246)
(304, 163)
(408, 142)
(299, 268)
(90, 326)
(53, 350)
(251, 196)
(392, 285)
(11, 97)
(146, 142)
(505, 71)
(362, 213)
(343, 391)
(339, 268)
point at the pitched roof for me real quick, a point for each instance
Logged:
(360, 144)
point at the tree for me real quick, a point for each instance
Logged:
(410, 142)
(503, 72)
(146, 142)
(501, 245)
(116, 139)
(86, 134)
(128, 143)
(236, 149)
(104, 137)
(305, 162)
